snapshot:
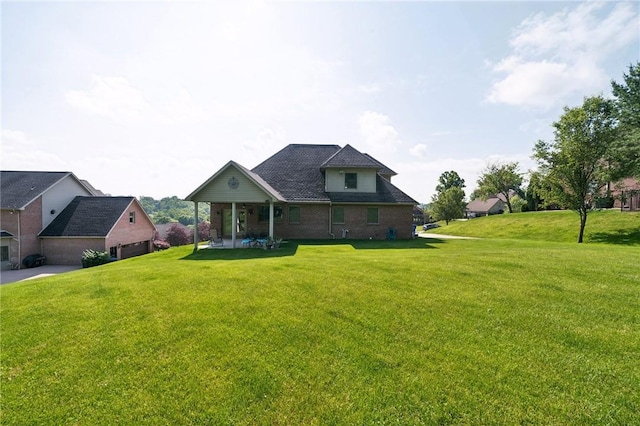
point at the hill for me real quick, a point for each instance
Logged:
(605, 226)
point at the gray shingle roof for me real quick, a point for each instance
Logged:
(88, 217)
(296, 172)
(18, 189)
(350, 157)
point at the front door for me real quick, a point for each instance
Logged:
(227, 223)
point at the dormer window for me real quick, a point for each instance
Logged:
(350, 181)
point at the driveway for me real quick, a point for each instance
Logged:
(37, 272)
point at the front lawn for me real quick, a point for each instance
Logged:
(417, 332)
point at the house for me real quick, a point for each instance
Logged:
(478, 207)
(30, 202)
(626, 195)
(118, 225)
(308, 191)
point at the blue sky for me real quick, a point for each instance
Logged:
(152, 98)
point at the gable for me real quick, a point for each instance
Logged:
(349, 157)
(18, 189)
(234, 183)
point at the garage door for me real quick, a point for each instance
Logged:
(135, 249)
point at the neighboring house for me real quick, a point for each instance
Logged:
(29, 201)
(478, 207)
(627, 195)
(308, 191)
(32, 201)
(118, 225)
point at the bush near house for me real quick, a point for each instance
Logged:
(94, 258)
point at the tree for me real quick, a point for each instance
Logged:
(448, 204)
(499, 179)
(627, 102)
(204, 230)
(448, 180)
(178, 235)
(576, 165)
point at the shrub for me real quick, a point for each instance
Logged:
(161, 245)
(94, 258)
(178, 235)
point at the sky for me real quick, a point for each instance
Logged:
(151, 98)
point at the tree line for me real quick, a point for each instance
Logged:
(173, 209)
(594, 144)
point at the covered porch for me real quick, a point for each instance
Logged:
(242, 205)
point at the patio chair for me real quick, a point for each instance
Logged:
(215, 241)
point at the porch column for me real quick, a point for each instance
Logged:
(195, 229)
(271, 218)
(234, 224)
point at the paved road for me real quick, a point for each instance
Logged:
(31, 273)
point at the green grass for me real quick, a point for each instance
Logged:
(606, 226)
(417, 332)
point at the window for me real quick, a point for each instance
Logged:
(132, 217)
(350, 180)
(338, 215)
(4, 253)
(263, 214)
(294, 214)
(372, 215)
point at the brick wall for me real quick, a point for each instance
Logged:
(314, 222)
(124, 232)
(68, 251)
(24, 224)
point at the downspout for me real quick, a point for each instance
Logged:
(333, 237)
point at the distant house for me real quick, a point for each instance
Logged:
(626, 195)
(118, 225)
(308, 191)
(478, 207)
(30, 202)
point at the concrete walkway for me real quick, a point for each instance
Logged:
(445, 237)
(31, 273)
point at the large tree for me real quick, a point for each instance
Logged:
(627, 102)
(449, 179)
(448, 203)
(499, 179)
(577, 164)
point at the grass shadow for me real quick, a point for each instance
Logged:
(290, 248)
(417, 243)
(621, 237)
(286, 249)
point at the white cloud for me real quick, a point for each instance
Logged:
(117, 99)
(22, 152)
(380, 138)
(419, 150)
(558, 56)
(112, 97)
(369, 89)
